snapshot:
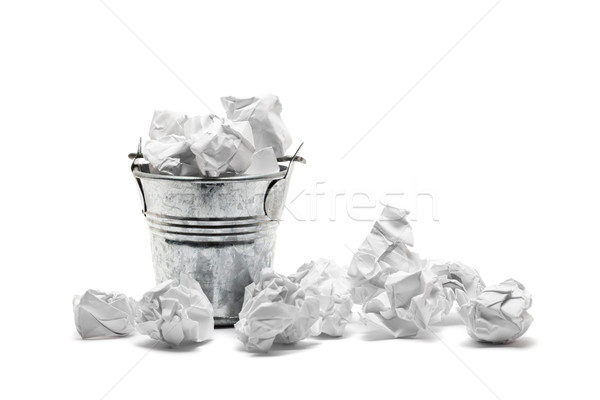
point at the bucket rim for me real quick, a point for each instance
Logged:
(231, 178)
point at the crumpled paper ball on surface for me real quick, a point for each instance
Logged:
(264, 115)
(396, 293)
(176, 313)
(99, 314)
(223, 147)
(383, 252)
(411, 301)
(277, 310)
(379, 312)
(499, 314)
(461, 282)
(329, 283)
(418, 297)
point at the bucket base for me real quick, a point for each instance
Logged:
(222, 322)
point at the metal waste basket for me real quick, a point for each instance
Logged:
(221, 231)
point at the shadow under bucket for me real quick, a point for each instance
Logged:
(221, 231)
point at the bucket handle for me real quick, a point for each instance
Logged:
(291, 159)
(134, 157)
(281, 181)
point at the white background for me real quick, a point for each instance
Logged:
(501, 132)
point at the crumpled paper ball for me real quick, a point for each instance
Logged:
(99, 314)
(171, 155)
(461, 282)
(277, 310)
(410, 301)
(263, 162)
(389, 281)
(264, 115)
(379, 312)
(249, 140)
(222, 146)
(329, 283)
(176, 313)
(168, 150)
(384, 252)
(204, 145)
(418, 297)
(167, 123)
(499, 314)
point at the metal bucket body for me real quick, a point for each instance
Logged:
(221, 231)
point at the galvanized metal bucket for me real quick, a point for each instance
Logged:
(220, 230)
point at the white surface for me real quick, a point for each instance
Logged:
(502, 133)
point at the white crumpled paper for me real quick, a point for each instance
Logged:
(379, 312)
(248, 141)
(401, 293)
(167, 123)
(204, 145)
(417, 296)
(461, 282)
(222, 146)
(409, 301)
(263, 162)
(168, 151)
(275, 310)
(99, 314)
(329, 283)
(264, 114)
(171, 155)
(499, 313)
(176, 313)
(383, 252)
(389, 281)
